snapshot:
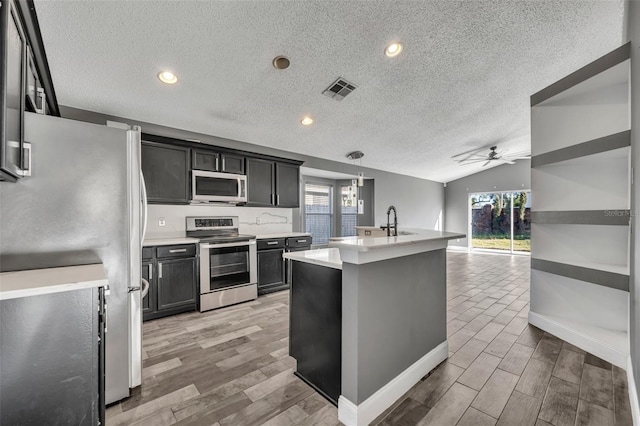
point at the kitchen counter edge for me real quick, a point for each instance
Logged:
(35, 282)
(329, 257)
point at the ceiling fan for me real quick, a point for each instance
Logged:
(494, 155)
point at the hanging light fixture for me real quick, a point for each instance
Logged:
(357, 155)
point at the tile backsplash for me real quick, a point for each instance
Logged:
(253, 220)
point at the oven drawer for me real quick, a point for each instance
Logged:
(270, 244)
(183, 250)
(293, 242)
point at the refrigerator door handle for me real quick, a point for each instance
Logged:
(143, 186)
(145, 288)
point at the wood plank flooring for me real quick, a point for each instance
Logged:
(231, 366)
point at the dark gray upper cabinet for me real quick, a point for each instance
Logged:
(23, 70)
(271, 183)
(166, 173)
(261, 182)
(287, 185)
(232, 163)
(205, 160)
(217, 162)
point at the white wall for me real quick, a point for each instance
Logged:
(507, 177)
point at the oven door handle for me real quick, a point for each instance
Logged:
(239, 244)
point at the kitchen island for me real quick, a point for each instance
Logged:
(390, 295)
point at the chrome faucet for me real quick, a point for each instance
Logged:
(395, 221)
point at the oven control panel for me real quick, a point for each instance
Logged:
(211, 223)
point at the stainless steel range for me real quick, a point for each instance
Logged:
(228, 261)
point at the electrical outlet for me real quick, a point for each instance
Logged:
(257, 220)
(161, 221)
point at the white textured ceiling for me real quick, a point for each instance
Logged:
(462, 82)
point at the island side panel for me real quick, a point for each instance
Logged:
(394, 313)
(316, 326)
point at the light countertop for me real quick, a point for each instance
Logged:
(36, 282)
(282, 235)
(169, 241)
(417, 236)
(329, 257)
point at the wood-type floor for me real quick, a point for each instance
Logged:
(231, 366)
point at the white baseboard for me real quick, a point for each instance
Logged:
(363, 414)
(582, 336)
(633, 393)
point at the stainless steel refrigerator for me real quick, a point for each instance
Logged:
(83, 203)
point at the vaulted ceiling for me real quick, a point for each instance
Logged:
(462, 82)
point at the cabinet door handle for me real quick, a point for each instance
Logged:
(184, 250)
(272, 243)
(278, 199)
(150, 272)
(159, 270)
(223, 164)
(216, 162)
(302, 241)
(272, 202)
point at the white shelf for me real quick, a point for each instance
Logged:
(593, 182)
(602, 247)
(594, 108)
(580, 301)
(610, 345)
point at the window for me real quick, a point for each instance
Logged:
(318, 207)
(349, 210)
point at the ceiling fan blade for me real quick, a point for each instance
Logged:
(486, 163)
(466, 160)
(508, 160)
(473, 161)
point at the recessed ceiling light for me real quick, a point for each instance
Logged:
(281, 62)
(306, 121)
(167, 77)
(393, 49)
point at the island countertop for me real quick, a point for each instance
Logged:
(329, 257)
(360, 250)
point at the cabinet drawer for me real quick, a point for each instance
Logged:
(147, 253)
(273, 243)
(184, 250)
(299, 241)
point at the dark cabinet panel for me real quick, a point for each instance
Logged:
(52, 363)
(205, 160)
(315, 335)
(13, 47)
(232, 163)
(166, 173)
(288, 185)
(176, 283)
(173, 280)
(260, 182)
(270, 271)
(149, 301)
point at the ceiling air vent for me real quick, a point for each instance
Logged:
(339, 89)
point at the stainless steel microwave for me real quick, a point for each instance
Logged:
(218, 187)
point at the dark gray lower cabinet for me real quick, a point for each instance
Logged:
(176, 283)
(173, 280)
(52, 359)
(149, 301)
(315, 332)
(270, 271)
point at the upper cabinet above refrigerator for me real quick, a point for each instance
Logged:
(25, 84)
